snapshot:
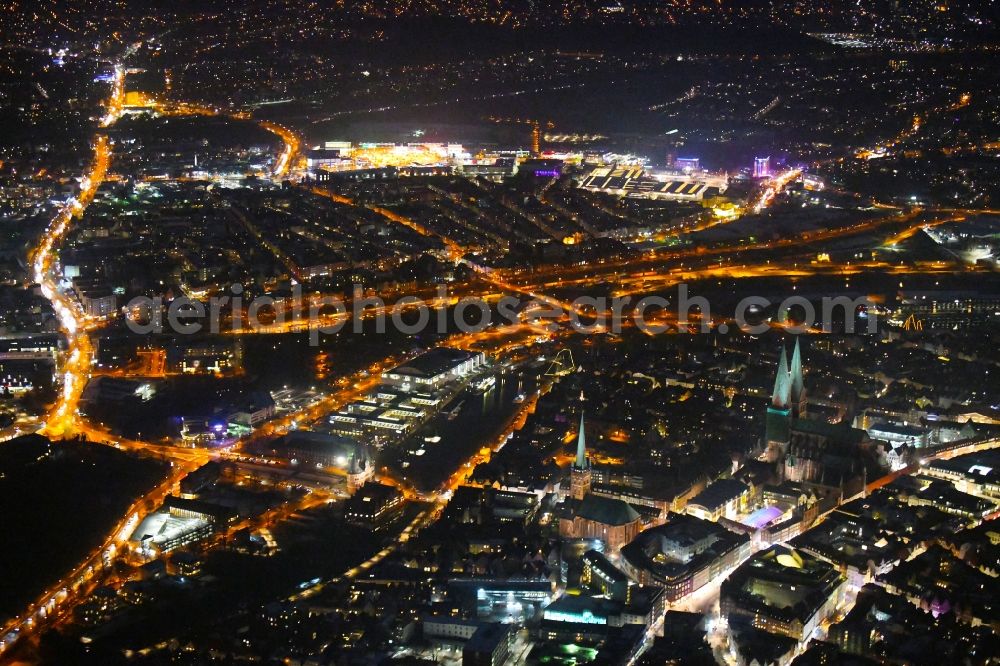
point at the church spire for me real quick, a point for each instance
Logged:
(796, 370)
(579, 473)
(798, 388)
(781, 396)
(581, 446)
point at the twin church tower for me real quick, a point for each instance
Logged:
(788, 402)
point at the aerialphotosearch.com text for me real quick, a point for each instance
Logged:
(652, 314)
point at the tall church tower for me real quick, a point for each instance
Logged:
(579, 473)
(797, 389)
(779, 412)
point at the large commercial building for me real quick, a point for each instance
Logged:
(408, 394)
(635, 182)
(177, 523)
(335, 160)
(594, 619)
(373, 506)
(28, 363)
(311, 447)
(725, 498)
(490, 645)
(946, 310)
(601, 575)
(253, 409)
(683, 554)
(331, 155)
(687, 164)
(897, 434)
(343, 453)
(205, 356)
(782, 591)
(976, 474)
(381, 173)
(117, 389)
(97, 303)
(448, 629)
(386, 412)
(433, 369)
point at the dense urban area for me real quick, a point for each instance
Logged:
(498, 332)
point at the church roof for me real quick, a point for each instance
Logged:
(606, 510)
(840, 433)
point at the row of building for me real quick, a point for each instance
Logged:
(407, 395)
(637, 182)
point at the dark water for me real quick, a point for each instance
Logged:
(479, 422)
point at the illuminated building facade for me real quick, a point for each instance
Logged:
(788, 399)
(725, 498)
(612, 521)
(810, 450)
(782, 591)
(321, 449)
(373, 506)
(761, 167)
(602, 576)
(635, 182)
(683, 555)
(688, 164)
(433, 368)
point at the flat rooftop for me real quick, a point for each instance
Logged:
(433, 362)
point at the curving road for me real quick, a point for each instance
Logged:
(63, 419)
